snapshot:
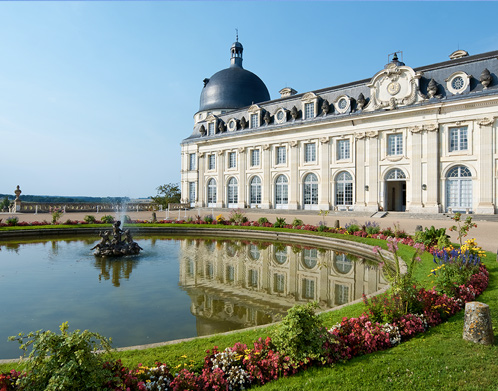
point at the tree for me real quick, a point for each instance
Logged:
(167, 194)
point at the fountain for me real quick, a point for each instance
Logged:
(116, 247)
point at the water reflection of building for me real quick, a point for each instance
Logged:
(114, 269)
(242, 285)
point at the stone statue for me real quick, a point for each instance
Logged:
(361, 101)
(485, 78)
(221, 127)
(267, 118)
(325, 107)
(203, 130)
(18, 193)
(243, 123)
(117, 246)
(432, 89)
(294, 112)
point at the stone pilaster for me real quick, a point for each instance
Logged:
(200, 194)
(220, 182)
(373, 172)
(433, 201)
(324, 186)
(485, 164)
(294, 182)
(267, 183)
(360, 159)
(415, 205)
(243, 196)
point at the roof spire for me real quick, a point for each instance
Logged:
(236, 52)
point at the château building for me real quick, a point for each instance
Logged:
(422, 140)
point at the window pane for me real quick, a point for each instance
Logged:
(395, 144)
(309, 110)
(343, 150)
(255, 157)
(309, 152)
(281, 155)
(254, 121)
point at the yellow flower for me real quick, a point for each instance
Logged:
(184, 356)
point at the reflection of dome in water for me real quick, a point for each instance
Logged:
(233, 87)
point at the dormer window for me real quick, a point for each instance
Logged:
(458, 83)
(254, 121)
(309, 110)
(211, 129)
(310, 105)
(343, 104)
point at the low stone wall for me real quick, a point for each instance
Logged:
(79, 207)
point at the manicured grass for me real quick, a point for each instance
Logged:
(436, 360)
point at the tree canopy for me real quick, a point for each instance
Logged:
(167, 194)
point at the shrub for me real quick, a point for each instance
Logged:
(297, 222)
(280, 222)
(352, 227)
(208, 219)
(89, 219)
(12, 221)
(431, 236)
(262, 221)
(237, 217)
(301, 335)
(56, 214)
(371, 227)
(63, 362)
(107, 219)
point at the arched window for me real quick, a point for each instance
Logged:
(211, 193)
(310, 191)
(459, 188)
(254, 252)
(232, 193)
(310, 258)
(280, 255)
(255, 191)
(342, 263)
(395, 175)
(344, 189)
(281, 192)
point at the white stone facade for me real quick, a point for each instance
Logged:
(394, 142)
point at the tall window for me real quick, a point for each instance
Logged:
(230, 273)
(255, 191)
(342, 263)
(458, 139)
(344, 189)
(281, 192)
(310, 190)
(211, 193)
(310, 152)
(280, 255)
(343, 150)
(191, 192)
(254, 157)
(211, 161)
(254, 252)
(341, 294)
(253, 278)
(232, 160)
(281, 155)
(309, 110)
(191, 161)
(254, 121)
(308, 288)
(278, 283)
(211, 129)
(395, 144)
(232, 191)
(459, 188)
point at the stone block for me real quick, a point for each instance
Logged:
(477, 325)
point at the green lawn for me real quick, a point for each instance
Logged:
(436, 360)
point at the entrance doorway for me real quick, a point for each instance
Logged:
(396, 190)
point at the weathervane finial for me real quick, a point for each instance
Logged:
(237, 35)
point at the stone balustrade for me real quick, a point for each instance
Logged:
(85, 207)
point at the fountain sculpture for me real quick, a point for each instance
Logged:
(116, 246)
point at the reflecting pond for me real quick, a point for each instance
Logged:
(176, 288)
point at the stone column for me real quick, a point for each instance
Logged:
(324, 189)
(360, 181)
(17, 201)
(415, 205)
(485, 163)
(242, 198)
(294, 175)
(433, 170)
(266, 182)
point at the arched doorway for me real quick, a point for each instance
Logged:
(232, 193)
(459, 189)
(281, 192)
(211, 193)
(310, 192)
(255, 192)
(395, 190)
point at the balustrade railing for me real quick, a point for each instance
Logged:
(84, 207)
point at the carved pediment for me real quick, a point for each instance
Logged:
(254, 109)
(309, 97)
(211, 117)
(393, 87)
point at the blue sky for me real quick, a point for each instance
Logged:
(95, 97)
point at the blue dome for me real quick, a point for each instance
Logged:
(234, 87)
